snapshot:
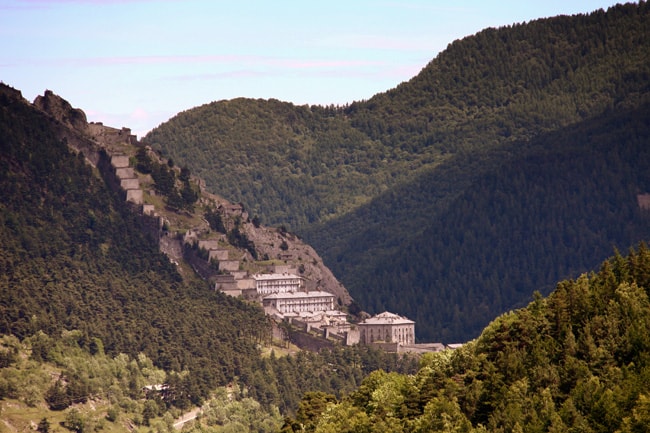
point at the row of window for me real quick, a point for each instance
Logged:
(276, 287)
(400, 335)
(302, 305)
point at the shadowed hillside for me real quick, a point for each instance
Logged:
(547, 213)
(370, 184)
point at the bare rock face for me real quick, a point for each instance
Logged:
(61, 110)
(288, 248)
(10, 92)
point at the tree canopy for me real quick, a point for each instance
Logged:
(577, 360)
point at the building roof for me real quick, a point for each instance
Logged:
(268, 277)
(298, 295)
(387, 318)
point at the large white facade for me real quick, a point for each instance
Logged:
(388, 328)
(267, 284)
(300, 302)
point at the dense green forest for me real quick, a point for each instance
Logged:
(546, 214)
(272, 155)
(455, 195)
(74, 257)
(495, 87)
(577, 361)
(80, 278)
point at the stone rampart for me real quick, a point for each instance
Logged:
(125, 173)
(127, 184)
(219, 255)
(229, 265)
(306, 341)
(199, 265)
(209, 245)
(148, 209)
(120, 161)
(135, 196)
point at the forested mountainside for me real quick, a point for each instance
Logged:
(394, 192)
(514, 82)
(74, 257)
(91, 312)
(296, 165)
(547, 213)
(575, 361)
(289, 165)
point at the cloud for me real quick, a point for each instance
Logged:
(377, 42)
(311, 64)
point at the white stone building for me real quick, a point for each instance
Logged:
(387, 328)
(299, 302)
(267, 284)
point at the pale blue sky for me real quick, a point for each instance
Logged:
(136, 63)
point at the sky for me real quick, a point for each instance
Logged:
(137, 63)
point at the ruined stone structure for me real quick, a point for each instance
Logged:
(109, 135)
(211, 245)
(109, 150)
(229, 265)
(217, 254)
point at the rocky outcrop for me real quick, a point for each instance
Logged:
(71, 125)
(10, 93)
(61, 110)
(288, 248)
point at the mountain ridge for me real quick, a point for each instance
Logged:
(99, 144)
(563, 203)
(487, 94)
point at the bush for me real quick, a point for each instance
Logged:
(112, 414)
(75, 421)
(57, 397)
(43, 426)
